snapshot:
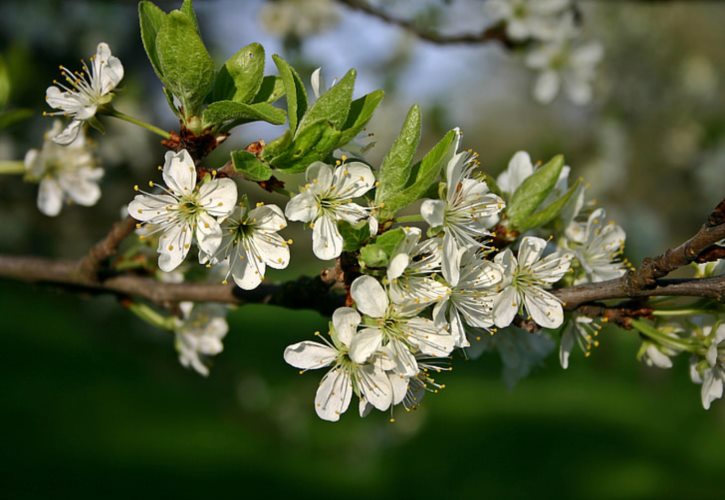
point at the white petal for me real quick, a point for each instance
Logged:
(405, 362)
(69, 134)
(268, 217)
(316, 81)
(375, 386)
(369, 296)
(111, 69)
(319, 177)
(147, 208)
(433, 212)
(326, 239)
(334, 395)
(173, 247)
(179, 172)
(218, 197)
(429, 338)
(451, 259)
(544, 308)
(309, 355)
(565, 346)
(547, 86)
(208, 234)
(50, 197)
(82, 187)
(246, 272)
(273, 249)
(712, 389)
(399, 385)
(364, 344)
(530, 251)
(519, 169)
(352, 180)
(506, 306)
(302, 207)
(345, 321)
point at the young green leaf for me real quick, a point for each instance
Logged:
(187, 8)
(546, 215)
(395, 169)
(378, 253)
(249, 165)
(333, 105)
(533, 191)
(271, 90)
(314, 142)
(228, 114)
(361, 110)
(241, 76)
(353, 235)
(294, 90)
(151, 18)
(424, 174)
(185, 63)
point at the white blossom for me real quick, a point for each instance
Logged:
(250, 243)
(411, 268)
(525, 19)
(597, 246)
(367, 379)
(470, 301)
(185, 211)
(200, 332)
(326, 199)
(83, 93)
(464, 215)
(562, 64)
(580, 331)
(396, 327)
(65, 173)
(525, 278)
(710, 370)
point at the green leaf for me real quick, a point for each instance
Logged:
(395, 169)
(314, 143)
(373, 256)
(546, 215)
(187, 8)
(424, 175)
(228, 114)
(353, 235)
(271, 90)
(151, 18)
(378, 254)
(294, 90)
(361, 110)
(333, 105)
(533, 191)
(278, 146)
(250, 166)
(241, 76)
(184, 61)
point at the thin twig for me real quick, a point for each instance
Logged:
(89, 265)
(495, 33)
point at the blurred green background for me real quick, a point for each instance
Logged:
(95, 404)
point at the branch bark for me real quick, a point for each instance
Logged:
(496, 33)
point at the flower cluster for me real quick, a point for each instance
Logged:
(556, 53)
(411, 314)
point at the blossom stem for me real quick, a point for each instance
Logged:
(665, 340)
(12, 167)
(682, 312)
(130, 119)
(409, 218)
(151, 316)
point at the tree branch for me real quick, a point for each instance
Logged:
(496, 33)
(89, 265)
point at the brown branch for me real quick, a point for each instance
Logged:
(89, 265)
(496, 33)
(304, 293)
